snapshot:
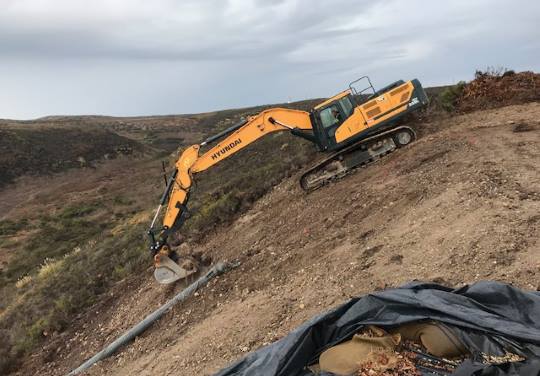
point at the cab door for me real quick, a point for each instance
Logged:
(330, 118)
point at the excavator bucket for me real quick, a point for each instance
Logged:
(167, 271)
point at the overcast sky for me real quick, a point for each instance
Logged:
(145, 57)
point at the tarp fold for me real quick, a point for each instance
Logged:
(489, 317)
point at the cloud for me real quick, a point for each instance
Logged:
(165, 30)
(127, 57)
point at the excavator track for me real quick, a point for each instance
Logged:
(360, 154)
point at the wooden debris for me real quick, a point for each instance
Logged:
(389, 364)
(496, 88)
(506, 358)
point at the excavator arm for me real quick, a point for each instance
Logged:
(191, 161)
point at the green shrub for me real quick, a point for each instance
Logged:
(450, 95)
(30, 336)
(55, 236)
(78, 211)
(9, 227)
(58, 294)
(121, 200)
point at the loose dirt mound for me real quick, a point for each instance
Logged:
(459, 205)
(495, 89)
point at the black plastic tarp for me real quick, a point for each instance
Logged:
(489, 317)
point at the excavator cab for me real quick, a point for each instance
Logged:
(329, 116)
(357, 113)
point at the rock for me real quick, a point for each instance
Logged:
(522, 127)
(82, 161)
(184, 248)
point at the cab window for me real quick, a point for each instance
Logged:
(347, 106)
(330, 116)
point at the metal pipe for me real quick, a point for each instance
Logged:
(218, 269)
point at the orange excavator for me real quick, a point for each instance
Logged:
(354, 127)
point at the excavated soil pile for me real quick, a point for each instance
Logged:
(492, 89)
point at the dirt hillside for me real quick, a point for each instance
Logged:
(74, 188)
(459, 205)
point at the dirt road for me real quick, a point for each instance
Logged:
(461, 204)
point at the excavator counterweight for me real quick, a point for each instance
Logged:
(355, 127)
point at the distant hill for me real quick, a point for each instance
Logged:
(41, 149)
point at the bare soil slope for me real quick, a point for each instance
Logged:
(459, 205)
